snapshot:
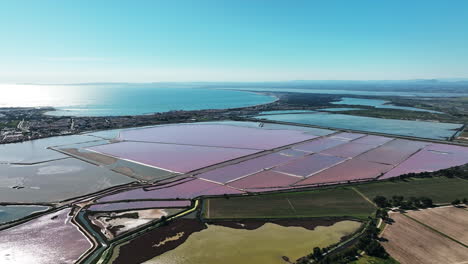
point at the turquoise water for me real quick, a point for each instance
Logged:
(115, 100)
(432, 130)
(128, 101)
(379, 104)
(353, 92)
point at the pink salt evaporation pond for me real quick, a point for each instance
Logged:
(244, 168)
(139, 205)
(393, 152)
(185, 190)
(373, 140)
(431, 158)
(264, 179)
(347, 136)
(293, 153)
(51, 238)
(309, 165)
(319, 144)
(217, 135)
(268, 189)
(349, 150)
(176, 158)
(350, 170)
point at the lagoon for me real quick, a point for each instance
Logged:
(353, 92)
(379, 104)
(432, 130)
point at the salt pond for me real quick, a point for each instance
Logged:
(54, 181)
(379, 104)
(51, 238)
(433, 130)
(15, 212)
(36, 150)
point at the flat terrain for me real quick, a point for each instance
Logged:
(409, 242)
(265, 244)
(320, 203)
(440, 189)
(451, 221)
(373, 260)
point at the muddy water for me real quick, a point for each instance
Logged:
(266, 244)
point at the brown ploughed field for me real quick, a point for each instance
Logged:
(451, 221)
(410, 242)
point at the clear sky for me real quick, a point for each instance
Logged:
(67, 41)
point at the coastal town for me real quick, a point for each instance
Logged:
(29, 123)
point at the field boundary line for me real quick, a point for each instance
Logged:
(292, 207)
(363, 196)
(435, 230)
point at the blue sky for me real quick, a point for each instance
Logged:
(67, 41)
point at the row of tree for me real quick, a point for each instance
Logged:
(401, 202)
(368, 242)
(460, 202)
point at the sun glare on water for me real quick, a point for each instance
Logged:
(19, 95)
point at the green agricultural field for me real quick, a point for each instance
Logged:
(335, 202)
(440, 189)
(373, 260)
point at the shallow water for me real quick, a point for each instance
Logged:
(422, 129)
(379, 104)
(54, 181)
(51, 238)
(15, 212)
(36, 150)
(266, 244)
(353, 92)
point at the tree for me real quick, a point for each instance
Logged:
(465, 201)
(376, 250)
(406, 205)
(455, 202)
(163, 220)
(382, 213)
(426, 202)
(397, 200)
(414, 202)
(381, 201)
(317, 253)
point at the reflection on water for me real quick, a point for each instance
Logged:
(36, 150)
(379, 104)
(14, 212)
(51, 238)
(112, 100)
(266, 244)
(54, 181)
(432, 130)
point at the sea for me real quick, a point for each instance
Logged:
(117, 100)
